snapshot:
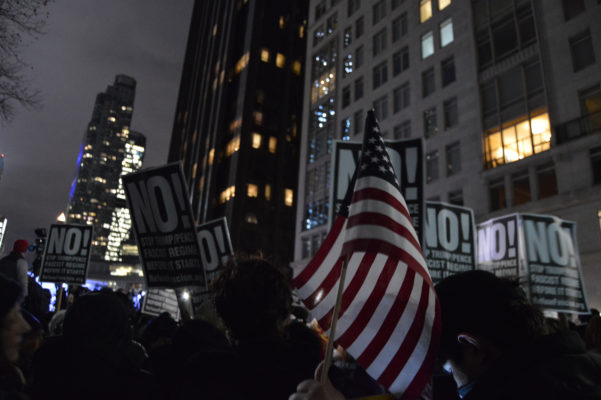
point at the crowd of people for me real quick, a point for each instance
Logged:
(494, 345)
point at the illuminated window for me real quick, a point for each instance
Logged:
(442, 4)
(599, 215)
(301, 31)
(273, 144)
(258, 115)
(211, 156)
(227, 194)
(288, 197)
(256, 140)
(427, 45)
(235, 124)
(268, 192)
(112, 119)
(240, 65)
(296, 67)
(281, 23)
(425, 10)
(446, 32)
(252, 190)
(264, 55)
(518, 140)
(232, 146)
(280, 60)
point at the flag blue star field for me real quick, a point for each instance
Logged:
(389, 316)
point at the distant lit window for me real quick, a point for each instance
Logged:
(280, 60)
(273, 144)
(348, 37)
(264, 55)
(442, 4)
(446, 32)
(267, 192)
(301, 31)
(227, 194)
(318, 34)
(425, 10)
(232, 146)
(345, 129)
(242, 63)
(427, 45)
(256, 140)
(112, 119)
(281, 22)
(296, 67)
(518, 141)
(288, 197)
(258, 116)
(251, 218)
(252, 190)
(331, 23)
(348, 65)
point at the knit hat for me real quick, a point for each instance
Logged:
(11, 293)
(21, 246)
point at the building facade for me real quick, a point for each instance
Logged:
(506, 95)
(237, 124)
(109, 149)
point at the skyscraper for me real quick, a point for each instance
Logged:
(505, 94)
(109, 149)
(238, 118)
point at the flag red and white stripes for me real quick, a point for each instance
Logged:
(389, 315)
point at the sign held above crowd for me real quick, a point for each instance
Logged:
(67, 254)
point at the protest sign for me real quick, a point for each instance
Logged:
(555, 275)
(450, 243)
(215, 249)
(158, 301)
(67, 254)
(164, 227)
(498, 247)
(406, 157)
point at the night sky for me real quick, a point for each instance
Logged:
(87, 43)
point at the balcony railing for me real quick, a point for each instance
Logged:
(578, 127)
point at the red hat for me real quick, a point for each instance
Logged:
(21, 246)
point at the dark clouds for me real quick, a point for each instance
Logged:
(87, 43)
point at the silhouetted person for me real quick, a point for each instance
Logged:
(14, 266)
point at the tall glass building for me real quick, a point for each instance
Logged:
(237, 124)
(109, 149)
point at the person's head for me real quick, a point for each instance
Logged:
(12, 324)
(98, 317)
(252, 298)
(483, 317)
(21, 246)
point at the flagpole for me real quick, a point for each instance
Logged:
(330, 348)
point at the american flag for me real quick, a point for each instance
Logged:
(389, 317)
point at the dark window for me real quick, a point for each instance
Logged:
(504, 36)
(521, 188)
(379, 42)
(332, 23)
(353, 5)
(547, 183)
(581, 47)
(428, 85)
(447, 68)
(320, 9)
(381, 108)
(400, 61)
(526, 25)
(358, 88)
(596, 164)
(380, 74)
(590, 100)
(430, 127)
(379, 11)
(359, 27)
(402, 130)
(453, 158)
(496, 190)
(432, 166)
(358, 57)
(456, 197)
(572, 8)
(399, 27)
(348, 36)
(395, 3)
(401, 97)
(358, 121)
(346, 96)
(489, 98)
(450, 113)
(306, 247)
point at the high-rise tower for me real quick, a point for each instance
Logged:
(238, 118)
(109, 150)
(506, 95)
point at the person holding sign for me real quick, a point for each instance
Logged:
(494, 344)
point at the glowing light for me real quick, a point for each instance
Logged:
(185, 295)
(61, 217)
